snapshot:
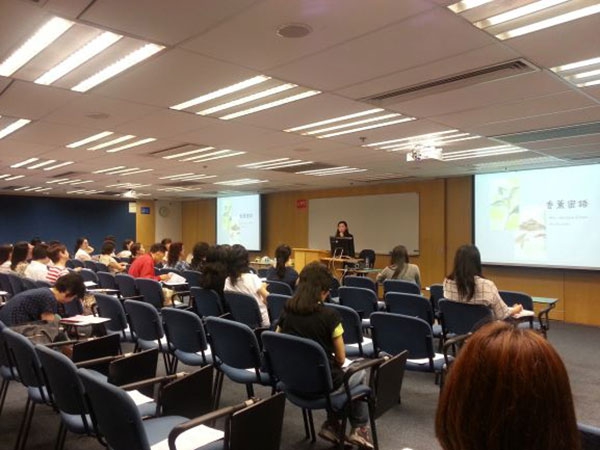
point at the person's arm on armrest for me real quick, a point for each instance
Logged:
(339, 350)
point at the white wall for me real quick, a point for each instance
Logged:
(168, 220)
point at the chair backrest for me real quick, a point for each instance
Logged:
(4, 359)
(350, 322)
(28, 283)
(73, 308)
(361, 282)
(5, 283)
(167, 270)
(367, 254)
(109, 345)
(111, 308)
(184, 330)
(22, 352)
(193, 277)
(279, 287)
(436, 293)
(275, 305)
(409, 305)
(75, 263)
(63, 381)
(151, 290)
(262, 272)
(266, 414)
(206, 301)
(394, 333)
(101, 267)
(133, 367)
(144, 319)
(126, 285)
(362, 300)
(233, 343)
(106, 280)
(462, 318)
(91, 265)
(512, 297)
(590, 437)
(42, 284)
(243, 309)
(334, 289)
(89, 275)
(300, 364)
(387, 383)
(15, 283)
(400, 286)
(117, 417)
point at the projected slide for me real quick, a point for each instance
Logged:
(546, 217)
(238, 221)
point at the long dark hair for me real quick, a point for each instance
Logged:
(282, 255)
(237, 262)
(78, 244)
(337, 231)
(199, 254)
(399, 259)
(467, 265)
(19, 254)
(504, 368)
(134, 249)
(5, 252)
(314, 279)
(173, 255)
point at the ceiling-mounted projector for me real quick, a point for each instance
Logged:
(419, 153)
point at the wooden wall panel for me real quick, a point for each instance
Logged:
(582, 302)
(459, 211)
(198, 222)
(145, 224)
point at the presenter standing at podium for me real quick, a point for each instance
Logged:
(342, 230)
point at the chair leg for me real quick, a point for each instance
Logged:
(250, 390)
(311, 424)
(60, 439)
(174, 363)
(217, 388)
(25, 425)
(306, 427)
(373, 425)
(3, 392)
(342, 434)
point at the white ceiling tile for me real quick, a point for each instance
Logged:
(31, 101)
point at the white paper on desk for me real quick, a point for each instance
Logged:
(192, 439)
(524, 313)
(175, 279)
(420, 361)
(139, 398)
(365, 341)
(89, 283)
(347, 362)
(88, 320)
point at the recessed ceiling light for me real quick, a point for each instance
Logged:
(293, 98)
(11, 128)
(110, 169)
(241, 182)
(330, 171)
(56, 166)
(465, 5)
(24, 163)
(15, 177)
(133, 144)
(368, 127)
(89, 139)
(112, 142)
(294, 30)
(191, 152)
(335, 119)
(41, 164)
(248, 99)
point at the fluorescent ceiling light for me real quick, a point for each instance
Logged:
(248, 99)
(590, 73)
(369, 127)
(168, 177)
(551, 22)
(56, 166)
(110, 169)
(87, 140)
(513, 14)
(81, 182)
(276, 164)
(112, 142)
(279, 102)
(121, 171)
(331, 171)
(482, 152)
(133, 144)
(45, 36)
(576, 65)
(16, 177)
(42, 164)
(211, 158)
(335, 119)
(87, 52)
(196, 177)
(191, 152)
(465, 5)
(22, 188)
(114, 69)
(411, 138)
(45, 189)
(13, 127)
(221, 92)
(58, 180)
(24, 163)
(4, 176)
(68, 181)
(140, 171)
(589, 83)
(351, 124)
(241, 182)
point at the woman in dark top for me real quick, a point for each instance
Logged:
(199, 253)
(215, 271)
(342, 229)
(282, 272)
(305, 316)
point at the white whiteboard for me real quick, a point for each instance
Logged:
(379, 222)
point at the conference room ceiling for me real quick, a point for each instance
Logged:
(369, 83)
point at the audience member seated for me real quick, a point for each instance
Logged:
(214, 272)
(400, 268)
(143, 266)
(42, 303)
(137, 249)
(59, 255)
(304, 315)
(167, 243)
(83, 250)
(175, 257)
(508, 389)
(466, 284)
(282, 271)
(38, 267)
(240, 279)
(126, 250)
(18, 261)
(199, 254)
(5, 255)
(106, 258)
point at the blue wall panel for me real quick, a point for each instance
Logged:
(64, 219)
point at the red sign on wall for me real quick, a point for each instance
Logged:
(301, 204)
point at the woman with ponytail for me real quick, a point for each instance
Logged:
(282, 271)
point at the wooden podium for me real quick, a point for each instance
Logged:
(303, 256)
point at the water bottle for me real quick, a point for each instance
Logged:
(367, 262)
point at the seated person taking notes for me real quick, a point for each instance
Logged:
(282, 272)
(400, 268)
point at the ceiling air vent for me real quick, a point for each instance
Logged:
(483, 75)
(66, 174)
(311, 166)
(585, 129)
(183, 184)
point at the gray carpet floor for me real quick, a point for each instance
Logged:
(408, 426)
